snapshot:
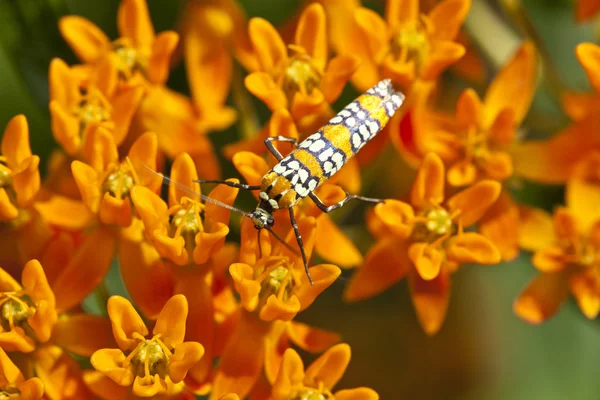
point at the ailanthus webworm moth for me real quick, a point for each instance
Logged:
(319, 157)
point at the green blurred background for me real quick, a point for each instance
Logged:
(483, 351)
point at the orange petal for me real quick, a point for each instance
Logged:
(536, 229)
(170, 324)
(588, 55)
(148, 388)
(291, 374)
(339, 70)
(60, 373)
(427, 261)
(149, 281)
(251, 166)
(586, 9)
(85, 270)
(9, 373)
(428, 188)
(115, 211)
(160, 61)
(330, 367)
(542, 298)
(514, 86)
(385, 264)
(88, 183)
(500, 224)
(262, 86)
(330, 236)
(83, 334)
(8, 211)
(579, 105)
(442, 54)
(104, 387)
(125, 104)
(109, 362)
(447, 17)
(400, 13)
(397, 217)
(208, 243)
(361, 393)
(15, 142)
(185, 356)
(133, 21)
(268, 45)
(430, 299)
(376, 32)
(471, 247)
(87, 40)
(323, 276)
(63, 87)
(462, 173)
(566, 225)
(474, 201)
(309, 338)
(17, 340)
(498, 166)
(31, 389)
(311, 34)
(582, 197)
(245, 285)
(65, 128)
(585, 286)
(35, 282)
(469, 109)
(183, 172)
(503, 129)
(550, 259)
(8, 283)
(151, 208)
(225, 195)
(125, 322)
(279, 309)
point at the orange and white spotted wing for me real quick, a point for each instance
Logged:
(325, 152)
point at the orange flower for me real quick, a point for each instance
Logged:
(79, 106)
(586, 9)
(42, 341)
(566, 247)
(305, 81)
(19, 174)
(426, 241)
(328, 235)
(319, 379)
(14, 385)
(139, 55)
(186, 232)
(153, 366)
(553, 160)
(407, 45)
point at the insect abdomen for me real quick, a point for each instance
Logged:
(325, 152)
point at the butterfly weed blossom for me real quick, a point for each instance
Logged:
(210, 305)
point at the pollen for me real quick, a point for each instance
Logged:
(439, 221)
(300, 75)
(412, 43)
(7, 393)
(118, 184)
(15, 310)
(276, 278)
(311, 394)
(149, 358)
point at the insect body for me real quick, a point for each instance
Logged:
(319, 157)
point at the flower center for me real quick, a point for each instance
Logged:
(94, 108)
(307, 393)
(9, 392)
(186, 221)
(149, 358)
(411, 44)
(434, 226)
(15, 310)
(129, 59)
(300, 75)
(276, 277)
(118, 184)
(581, 252)
(439, 221)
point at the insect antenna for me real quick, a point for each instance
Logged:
(286, 244)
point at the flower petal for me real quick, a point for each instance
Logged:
(309, 338)
(400, 13)
(151, 208)
(430, 299)
(323, 276)
(31, 389)
(462, 173)
(109, 362)
(536, 229)
(125, 322)
(339, 70)
(245, 285)
(376, 32)
(104, 387)
(87, 40)
(87, 180)
(17, 340)
(542, 297)
(330, 367)
(160, 61)
(428, 187)
(397, 217)
(279, 309)
(514, 86)
(385, 264)
(471, 247)
(9, 373)
(35, 282)
(15, 142)
(83, 334)
(291, 374)
(443, 53)
(361, 393)
(170, 324)
(133, 21)
(474, 201)
(60, 373)
(582, 197)
(64, 88)
(185, 356)
(447, 17)
(330, 236)
(125, 104)
(264, 87)
(500, 224)
(588, 55)
(585, 287)
(427, 261)
(251, 166)
(469, 109)
(311, 34)
(65, 128)
(268, 45)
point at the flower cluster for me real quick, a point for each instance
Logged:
(210, 304)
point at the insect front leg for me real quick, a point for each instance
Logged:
(269, 143)
(300, 244)
(325, 208)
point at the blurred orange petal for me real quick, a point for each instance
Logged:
(261, 85)
(162, 49)
(471, 247)
(542, 297)
(133, 21)
(430, 299)
(447, 17)
(427, 261)
(428, 187)
(311, 34)
(585, 287)
(268, 45)
(329, 367)
(83, 334)
(474, 201)
(87, 40)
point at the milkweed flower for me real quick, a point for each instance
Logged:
(38, 336)
(318, 380)
(407, 45)
(426, 241)
(586, 9)
(13, 383)
(19, 173)
(150, 365)
(79, 105)
(273, 288)
(565, 247)
(139, 55)
(305, 80)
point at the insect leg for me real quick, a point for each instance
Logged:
(231, 184)
(325, 208)
(269, 143)
(300, 244)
